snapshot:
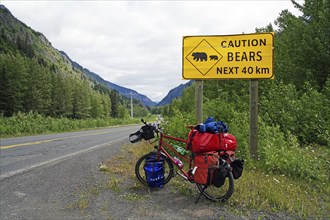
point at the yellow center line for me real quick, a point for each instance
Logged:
(47, 141)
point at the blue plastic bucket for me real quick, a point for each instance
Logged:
(154, 173)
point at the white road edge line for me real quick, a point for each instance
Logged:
(55, 160)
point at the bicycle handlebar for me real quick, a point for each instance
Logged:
(154, 125)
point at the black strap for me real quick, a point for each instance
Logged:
(191, 139)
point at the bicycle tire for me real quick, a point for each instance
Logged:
(139, 168)
(219, 194)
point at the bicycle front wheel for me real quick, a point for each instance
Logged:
(167, 166)
(218, 194)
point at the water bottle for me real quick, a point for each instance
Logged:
(179, 149)
(178, 162)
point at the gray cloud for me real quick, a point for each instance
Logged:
(139, 44)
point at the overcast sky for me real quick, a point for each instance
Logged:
(138, 44)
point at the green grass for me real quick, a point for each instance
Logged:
(279, 193)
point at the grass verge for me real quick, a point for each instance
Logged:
(32, 123)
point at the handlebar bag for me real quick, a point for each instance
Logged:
(135, 137)
(205, 164)
(147, 132)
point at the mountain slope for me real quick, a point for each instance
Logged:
(15, 35)
(122, 90)
(174, 93)
(36, 77)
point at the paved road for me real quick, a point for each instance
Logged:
(22, 154)
(38, 173)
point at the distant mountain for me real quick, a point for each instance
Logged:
(122, 90)
(174, 93)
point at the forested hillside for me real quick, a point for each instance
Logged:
(294, 108)
(36, 77)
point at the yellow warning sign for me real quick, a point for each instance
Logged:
(245, 56)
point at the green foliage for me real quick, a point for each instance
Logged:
(303, 113)
(281, 153)
(176, 125)
(302, 44)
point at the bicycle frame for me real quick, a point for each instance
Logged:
(161, 149)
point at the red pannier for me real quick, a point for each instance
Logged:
(204, 165)
(199, 142)
(229, 142)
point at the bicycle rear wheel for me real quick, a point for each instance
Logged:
(218, 194)
(140, 173)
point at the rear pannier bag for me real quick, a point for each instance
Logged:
(237, 168)
(219, 175)
(154, 173)
(199, 142)
(204, 165)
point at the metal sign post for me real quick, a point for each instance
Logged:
(253, 118)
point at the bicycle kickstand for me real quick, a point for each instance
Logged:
(200, 194)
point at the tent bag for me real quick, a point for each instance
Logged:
(199, 142)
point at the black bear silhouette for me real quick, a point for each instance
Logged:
(200, 56)
(213, 57)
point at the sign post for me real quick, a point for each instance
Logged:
(244, 56)
(253, 118)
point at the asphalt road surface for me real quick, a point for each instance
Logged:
(40, 173)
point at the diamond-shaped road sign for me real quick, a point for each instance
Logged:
(203, 57)
(245, 56)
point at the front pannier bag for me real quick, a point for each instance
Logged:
(154, 173)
